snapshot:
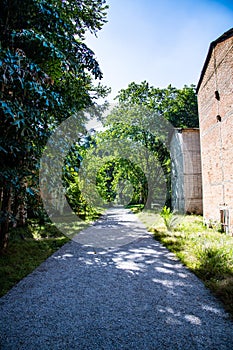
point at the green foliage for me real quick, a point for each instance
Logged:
(214, 260)
(24, 255)
(170, 220)
(207, 252)
(121, 181)
(145, 116)
(71, 179)
(104, 182)
(147, 136)
(178, 106)
(139, 124)
(45, 77)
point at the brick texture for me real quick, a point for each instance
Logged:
(216, 136)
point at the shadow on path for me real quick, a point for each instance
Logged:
(117, 227)
(138, 296)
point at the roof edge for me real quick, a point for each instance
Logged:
(220, 39)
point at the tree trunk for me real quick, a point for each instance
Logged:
(22, 214)
(5, 217)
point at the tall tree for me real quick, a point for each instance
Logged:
(178, 106)
(146, 115)
(45, 77)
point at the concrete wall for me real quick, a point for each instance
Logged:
(177, 172)
(216, 133)
(186, 171)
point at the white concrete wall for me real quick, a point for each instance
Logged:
(186, 171)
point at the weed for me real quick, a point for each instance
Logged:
(170, 220)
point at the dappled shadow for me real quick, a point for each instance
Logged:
(138, 296)
(157, 286)
(115, 228)
(171, 242)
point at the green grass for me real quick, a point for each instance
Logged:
(30, 246)
(135, 208)
(22, 257)
(206, 252)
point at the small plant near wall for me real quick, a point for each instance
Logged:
(213, 224)
(169, 218)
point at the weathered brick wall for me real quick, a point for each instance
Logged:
(186, 171)
(217, 136)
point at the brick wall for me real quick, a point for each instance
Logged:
(217, 136)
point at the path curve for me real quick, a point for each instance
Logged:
(138, 296)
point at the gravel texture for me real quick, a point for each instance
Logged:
(137, 296)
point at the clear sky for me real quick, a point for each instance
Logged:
(161, 41)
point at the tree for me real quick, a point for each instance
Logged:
(127, 159)
(122, 181)
(178, 106)
(71, 180)
(146, 115)
(45, 77)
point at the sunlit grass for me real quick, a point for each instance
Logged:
(206, 252)
(22, 257)
(31, 245)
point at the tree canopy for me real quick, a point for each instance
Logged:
(46, 76)
(46, 73)
(178, 106)
(146, 116)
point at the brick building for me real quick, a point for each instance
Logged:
(186, 181)
(215, 104)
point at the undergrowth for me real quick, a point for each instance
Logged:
(206, 252)
(29, 247)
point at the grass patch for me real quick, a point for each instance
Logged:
(206, 252)
(22, 257)
(29, 247)
(135, 208)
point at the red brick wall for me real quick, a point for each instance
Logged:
(217, 136)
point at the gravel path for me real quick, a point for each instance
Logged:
(137, 296)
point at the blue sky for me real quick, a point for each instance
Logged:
(161, 41)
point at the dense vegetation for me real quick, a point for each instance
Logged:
(46, 75)
(142, 122)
